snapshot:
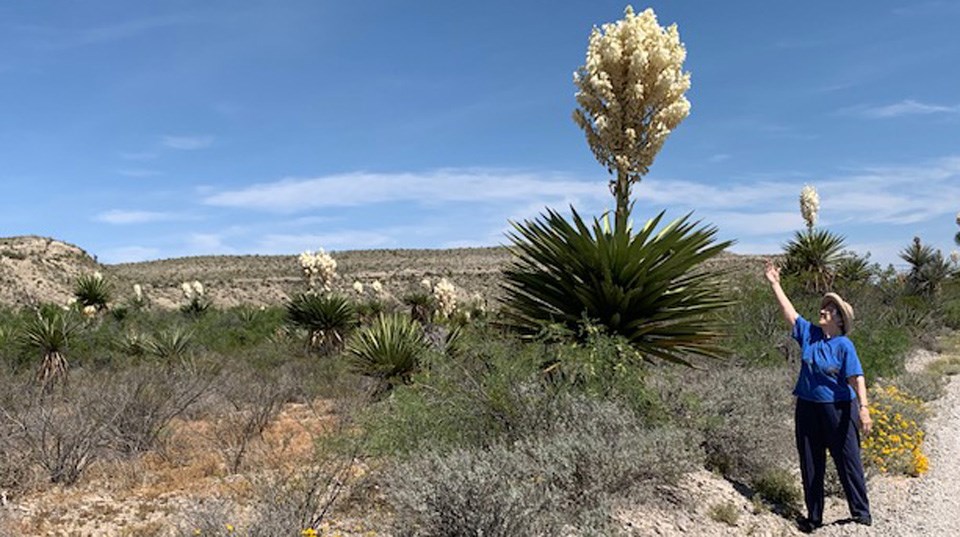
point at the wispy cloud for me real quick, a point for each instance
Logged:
(907, 107)
(339, 240)
(140, 172)
(188, 143)
(719, 157)
(58, 38)
(138, 156)
(442, 186)
(122, 217)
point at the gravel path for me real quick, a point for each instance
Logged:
(926, 506)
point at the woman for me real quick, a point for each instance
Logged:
(832, 408)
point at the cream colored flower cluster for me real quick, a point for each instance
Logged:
(192, 290)
(630, 91)
(809, 205)
(445, 295)
(319, 269)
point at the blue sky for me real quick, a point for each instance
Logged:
(145, 130)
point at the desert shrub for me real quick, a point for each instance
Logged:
(328, 319)
(726, 512)
(641, 285)
(562, 476)
(946, 366)
(951, 314)
(756, 331)
(896, 443)
(779, 487)
(882, 348)
(744, 414)
(471, 401)
(149, 397)
(389, 350)
(64, 432)
(924, 385)
(294, 499)
(254, 399)
(236, 328)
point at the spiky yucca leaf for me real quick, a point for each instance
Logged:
(643, 286)
(812, 256)
(389, 349)
(327, 318)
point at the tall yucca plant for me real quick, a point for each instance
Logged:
(644, 286)
(812, 256)
(49, 332)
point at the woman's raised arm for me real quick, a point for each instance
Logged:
(772, 273)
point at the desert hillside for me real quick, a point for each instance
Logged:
(37, 269)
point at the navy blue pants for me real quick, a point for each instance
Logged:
(833, 427)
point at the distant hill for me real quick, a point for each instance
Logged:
(37, 269)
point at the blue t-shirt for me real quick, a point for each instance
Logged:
(825, 365)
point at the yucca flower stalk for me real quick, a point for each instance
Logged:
(445, 297)
(630, 96)
(809, 205)
(319, 269)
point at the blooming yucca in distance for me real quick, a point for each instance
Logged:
(319, 268)
(809, 205)
(630, 95)
(445, 295)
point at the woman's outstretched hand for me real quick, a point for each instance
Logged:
(772, 272)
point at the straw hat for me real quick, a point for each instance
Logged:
(846, 310)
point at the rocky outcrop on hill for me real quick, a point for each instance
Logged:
(38, 269)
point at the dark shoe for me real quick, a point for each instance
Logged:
(863, 520)
(806, 525)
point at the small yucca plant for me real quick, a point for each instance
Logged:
(812, 256)
(92, 290)
(852, 268)
(421, 305)
(327, 318)
(388, 350)
(168, 345)
(928, 268)
(49, 332)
